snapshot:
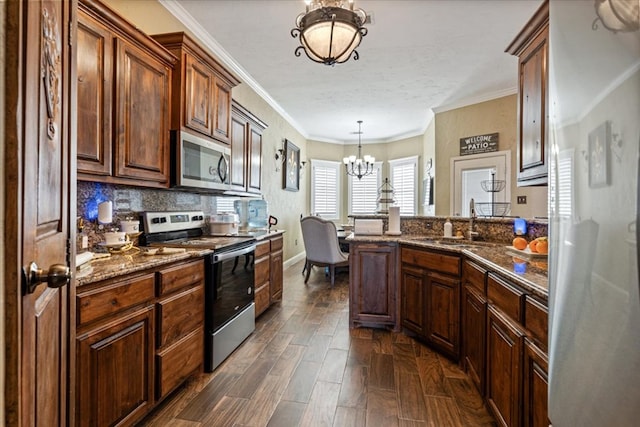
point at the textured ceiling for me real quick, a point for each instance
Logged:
(418, 56)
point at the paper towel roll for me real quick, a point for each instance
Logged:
(394, 220)
(105, 212)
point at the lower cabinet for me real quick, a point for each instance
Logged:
(115, 370)
(535, 399)
(504, 367)
(138, 338)
(474, 319)
(373, 293)
(275, 273)
(268, 273)
(430, 295)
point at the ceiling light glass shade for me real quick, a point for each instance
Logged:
(618, 15)
(329, 33)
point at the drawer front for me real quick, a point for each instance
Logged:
(276, 244)
(262, 299)
(178, 361)
(475, 275)
(261, 271)
(505, 296)
(115, 297)
(536, 320)
(180, 276)
(179, 314)
(448, 264)
(263, 248)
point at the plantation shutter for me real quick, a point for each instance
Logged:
(325, 189)
(363, 193)
(403, 179)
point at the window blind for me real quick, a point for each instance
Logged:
(363, 193)
(225, 204)
(404, 181)
(325, 189)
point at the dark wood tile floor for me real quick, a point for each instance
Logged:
(304, 367)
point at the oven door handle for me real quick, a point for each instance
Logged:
(229, 255)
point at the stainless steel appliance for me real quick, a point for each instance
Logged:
(199, 163)
(594, 312)
(229, 278)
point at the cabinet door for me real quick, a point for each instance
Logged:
(532, 144)
(95, 80)
(222, 114)
(504, 368)
(443, 313)
(413, 282)
(276, 276)
(115, 370)
(142, 116)
(198, 98)
(238, 154)
(536, 367)
(255, 159)
(474, 312)
(373, 285)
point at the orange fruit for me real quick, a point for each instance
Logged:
(543, 246)
(533, 246)
(519, 243)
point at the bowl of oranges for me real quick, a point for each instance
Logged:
(536, 248)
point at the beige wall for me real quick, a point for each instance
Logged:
(498, 115)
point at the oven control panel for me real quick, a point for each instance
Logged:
(158, 222)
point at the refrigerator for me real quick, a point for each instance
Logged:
(594, 136)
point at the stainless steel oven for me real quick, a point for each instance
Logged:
(199, 163)
(229, 295)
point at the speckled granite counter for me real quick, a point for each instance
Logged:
(531, 275)
(120, 265)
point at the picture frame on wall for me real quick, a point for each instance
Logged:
(599, 157)
(291, 169)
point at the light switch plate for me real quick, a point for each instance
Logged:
(522, 200)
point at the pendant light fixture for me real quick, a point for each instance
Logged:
(618, 15)
(330, 31)
(359, 166)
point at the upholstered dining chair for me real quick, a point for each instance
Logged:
(321, 244)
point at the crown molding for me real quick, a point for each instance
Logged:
(475, 100)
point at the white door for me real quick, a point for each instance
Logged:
(467, 174)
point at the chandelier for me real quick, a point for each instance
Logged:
(330, 31)
(618, 15)
(359, 166)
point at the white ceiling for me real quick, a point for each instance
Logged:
(419, 57)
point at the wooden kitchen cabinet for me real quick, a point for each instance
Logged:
(531, 46)
(430, 283)
(114, 351)
(246, 150)
(201, 89)
(373, 279)
(505, 340)
(262, 275)
(474, 318)
(536, 382)
(123, 101)
(138, 337)
(276, 267)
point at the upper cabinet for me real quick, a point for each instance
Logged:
(531, 46)
(124, 88)
(246, 150)
(201, 98)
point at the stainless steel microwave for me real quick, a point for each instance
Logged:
(199, 163)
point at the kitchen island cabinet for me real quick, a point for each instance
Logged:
(123, 101)
(474, 320)
(373, 289)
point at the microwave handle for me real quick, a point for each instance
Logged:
(223, 168)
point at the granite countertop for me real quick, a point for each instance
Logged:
(530, 274)
(122, 264)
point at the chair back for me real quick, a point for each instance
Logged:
(321, 241)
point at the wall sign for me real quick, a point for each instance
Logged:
(479, 144)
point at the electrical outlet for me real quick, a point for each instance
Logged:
(522, 200)
(296, 242)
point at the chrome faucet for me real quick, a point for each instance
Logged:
(472, 217)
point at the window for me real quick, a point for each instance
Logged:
(404, 178)
(225, 204)
(363, 193)
(325, 189)
(562, 186)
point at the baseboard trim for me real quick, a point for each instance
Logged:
(294, 259)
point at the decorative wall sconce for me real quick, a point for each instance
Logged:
(617, 15)
(280, 158)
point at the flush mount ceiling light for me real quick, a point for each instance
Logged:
(330, 31)
(618, 15)
(359, 166)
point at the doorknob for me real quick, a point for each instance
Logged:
(58, 275)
